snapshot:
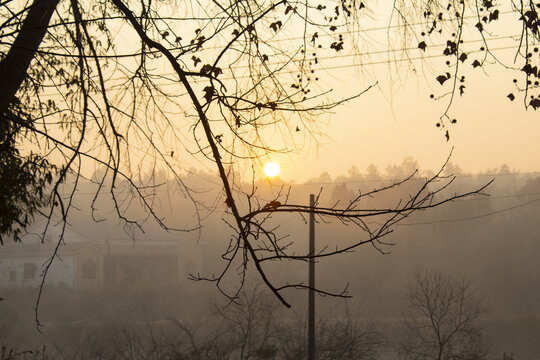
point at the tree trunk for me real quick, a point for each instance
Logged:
(14, 67)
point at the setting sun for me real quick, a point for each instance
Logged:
(271, 169)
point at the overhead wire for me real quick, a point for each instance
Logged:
(271, 41)
(344, 66)
(469, 218)
(354, 31)
(491, 175)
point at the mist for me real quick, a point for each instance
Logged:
(116, 291)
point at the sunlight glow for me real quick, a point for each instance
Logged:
(271, 169)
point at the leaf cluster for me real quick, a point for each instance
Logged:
(23, 184)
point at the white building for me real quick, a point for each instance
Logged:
(90, 264)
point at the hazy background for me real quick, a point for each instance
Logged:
(491, 240)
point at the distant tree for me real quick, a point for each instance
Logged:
(128, 87)
(251, 324)
(341, 336)
(443, 319)
(408, 166)
(348, 338)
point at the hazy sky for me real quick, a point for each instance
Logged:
(387, 124)
(396, 118)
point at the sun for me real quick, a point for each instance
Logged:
(271, 169)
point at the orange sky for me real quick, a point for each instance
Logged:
(384, 126)
(396, 119)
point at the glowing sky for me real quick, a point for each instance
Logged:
(396, 118)
(384, 126)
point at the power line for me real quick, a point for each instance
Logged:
(379, 62)
(337, 182)
(390, 61)
(472, 217)
(273, 40)
(367, 53)
(276, 40)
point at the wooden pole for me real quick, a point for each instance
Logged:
(311, 295)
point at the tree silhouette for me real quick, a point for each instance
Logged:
(128, 87)
(443, 319)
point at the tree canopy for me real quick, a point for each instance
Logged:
(126, 88)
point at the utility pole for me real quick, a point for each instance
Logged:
(311, 294)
